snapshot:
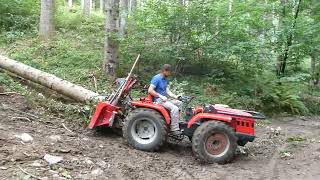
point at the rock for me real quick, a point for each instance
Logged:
(25, 137)
(53, 172)
(88, 161)
(286, 155)
(85, 139)
(36, 164)
(3, 168)
(243, 150)
(102, 164)
(41, 95)
(52, 159)
(278, 129)
(96, 172)
(55, 138)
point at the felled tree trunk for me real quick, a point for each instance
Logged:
(61, 86)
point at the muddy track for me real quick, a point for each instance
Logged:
(104, 155)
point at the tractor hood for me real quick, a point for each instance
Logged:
(230, 111)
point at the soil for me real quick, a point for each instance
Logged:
(294, 153)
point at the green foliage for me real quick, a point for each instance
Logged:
(17, 14)
(220, 55)
(295, 139)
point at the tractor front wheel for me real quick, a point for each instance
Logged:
(214, 142)
(145, 129)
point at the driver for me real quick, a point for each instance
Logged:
(159, 90)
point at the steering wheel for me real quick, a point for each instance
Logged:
(185, 99)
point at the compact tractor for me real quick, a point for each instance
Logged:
(214, 130)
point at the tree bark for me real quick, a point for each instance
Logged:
(82, 4)
(101, 5)
(111, 44)
(64, 87)
(69, 4)
(314, 80)
(284, 57)
(46, 26)
(133, 5)
(230, 7)
(87, 5)
(123, 17)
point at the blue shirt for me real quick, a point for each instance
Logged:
(160, 84)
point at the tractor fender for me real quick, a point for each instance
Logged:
(209, 116)
(156, 107)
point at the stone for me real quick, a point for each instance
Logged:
(52, 159)
(25, 137)
(96, 172)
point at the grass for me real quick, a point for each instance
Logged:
(74, 54)
(296, 139)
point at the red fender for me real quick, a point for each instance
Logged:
(156, 107)
(210, 116)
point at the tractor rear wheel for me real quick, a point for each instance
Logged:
(145, 129)
(214, 142)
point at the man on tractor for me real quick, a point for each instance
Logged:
(159, 90)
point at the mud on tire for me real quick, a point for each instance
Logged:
(145, 129)
(214, 142)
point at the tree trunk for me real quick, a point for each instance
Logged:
(48, 80)
(92, 5)
(230, 7)
(46, 26)
(123, 17)
(284, 57)
(313, 80)
(69, 4)
(111, 45)
(87, 5)
(133, 5)
(101, 5)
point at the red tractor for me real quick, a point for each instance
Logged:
(214, 130)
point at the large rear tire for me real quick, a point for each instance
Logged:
(145, 129)
(214, 142)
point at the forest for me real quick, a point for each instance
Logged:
(250, 67)
(249, 54)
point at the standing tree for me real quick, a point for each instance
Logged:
(69, 4)
(133, 5)
(111, 44)
(101, 5)
(123, 17)
(87, 5)
(46, 26)
(282, 59)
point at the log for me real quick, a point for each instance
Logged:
(61, 86)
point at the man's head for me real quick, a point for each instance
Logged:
(166, 70)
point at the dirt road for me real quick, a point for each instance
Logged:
(292, 154)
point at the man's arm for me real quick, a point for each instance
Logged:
(154, 93)
(171, 94)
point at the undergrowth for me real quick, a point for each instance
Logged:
(75, 54)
